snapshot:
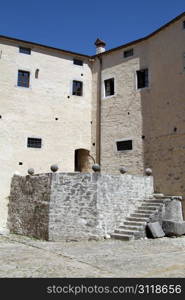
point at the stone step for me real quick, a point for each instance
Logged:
(153, 201)
(122, 237)
(143, 211)
(151, 205)
(131, 227)
(137, 219)
(158, 195)
(138, 215)
(133, 223)
(155, 208)
(147, 208)
(126, 232)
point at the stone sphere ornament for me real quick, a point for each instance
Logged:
(148, 171)
(122, 170)
(96, 168)
(54, 168)
(31, 171)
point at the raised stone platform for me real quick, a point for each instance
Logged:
(62, 206)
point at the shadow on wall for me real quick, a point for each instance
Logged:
(162, 108)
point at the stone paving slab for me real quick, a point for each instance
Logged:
(25, 257)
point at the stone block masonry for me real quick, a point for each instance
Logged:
(61, 206)
(28, 209)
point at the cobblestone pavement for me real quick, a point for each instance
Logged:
(25, 257)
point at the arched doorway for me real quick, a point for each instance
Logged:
(82, 163)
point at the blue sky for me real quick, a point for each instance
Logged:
(74, 25)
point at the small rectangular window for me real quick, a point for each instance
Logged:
(25, 50)
(23, 78)
(109, 87)
(142, 78)
(78, 62)
(183, 24)
(34, 143)
(77, 88)
(124, 145)
(128, 53)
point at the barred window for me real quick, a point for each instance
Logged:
(23, 78)
(78, 62)
(34, 143)
(128, 53)
(77, 88)
(25, 50)
(124, 145)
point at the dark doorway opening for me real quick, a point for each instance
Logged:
(82, 160)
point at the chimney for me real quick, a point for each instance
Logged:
(100, 46)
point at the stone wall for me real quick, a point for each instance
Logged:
(28, 209)
(73, 205)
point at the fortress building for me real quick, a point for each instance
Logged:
(121, 107)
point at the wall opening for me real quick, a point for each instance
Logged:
(82, 163)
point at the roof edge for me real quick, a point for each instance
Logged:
(99, 54)
(44, 46)
(143, 38)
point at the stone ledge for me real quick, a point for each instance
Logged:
(173, 228)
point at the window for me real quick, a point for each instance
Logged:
(124, 145)
(34, 143)
(77, 88)
(109, 87)
(23, 78)
(142, 78)
(183, 24)
(78, 62)
(25, 50)
(128, 53)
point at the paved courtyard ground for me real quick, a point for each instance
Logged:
(25, 257)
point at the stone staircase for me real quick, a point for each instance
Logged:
(134, 226)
